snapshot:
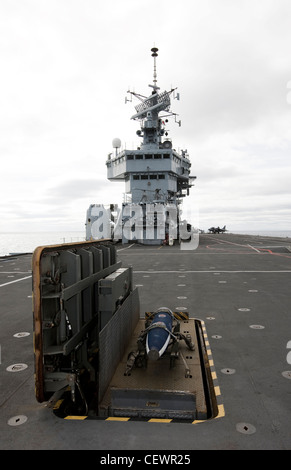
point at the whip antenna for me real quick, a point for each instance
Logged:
(154, 55)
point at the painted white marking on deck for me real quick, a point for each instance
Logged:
(13, 272)
(207, 272)
(22, 334)
(16, 280)
(126, 248)
(16, 367)
(253, 248)
(17, 420)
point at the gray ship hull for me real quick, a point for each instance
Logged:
(238, 285)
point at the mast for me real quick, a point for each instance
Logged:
(154, 55)
(152, 128)
(154, 168)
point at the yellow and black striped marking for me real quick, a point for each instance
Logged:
(216, 388)
(213, 390)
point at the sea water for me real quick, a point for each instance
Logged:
(26, 242)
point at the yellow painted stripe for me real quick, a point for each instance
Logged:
(115, 418)
(76, 417)
(156, 420)
(57, 404)
(221, 411)
(217, 391)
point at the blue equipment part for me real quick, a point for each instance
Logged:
(159, 333)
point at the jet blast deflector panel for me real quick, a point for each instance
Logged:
(67, 303)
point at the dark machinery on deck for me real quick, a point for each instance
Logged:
(161, 336)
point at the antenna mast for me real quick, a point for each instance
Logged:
(154, 55)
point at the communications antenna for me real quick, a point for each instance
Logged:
(154, 55)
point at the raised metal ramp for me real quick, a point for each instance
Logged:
(183, 391)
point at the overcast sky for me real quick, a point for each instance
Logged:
(66, 66)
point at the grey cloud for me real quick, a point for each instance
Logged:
(75, 189)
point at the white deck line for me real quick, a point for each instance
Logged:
(212, 271)
(16, 280)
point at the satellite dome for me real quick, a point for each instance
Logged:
(116, 143)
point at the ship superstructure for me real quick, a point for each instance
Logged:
(156, 176)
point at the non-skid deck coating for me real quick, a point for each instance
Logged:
(238, 285)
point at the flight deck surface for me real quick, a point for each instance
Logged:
(238, 285)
